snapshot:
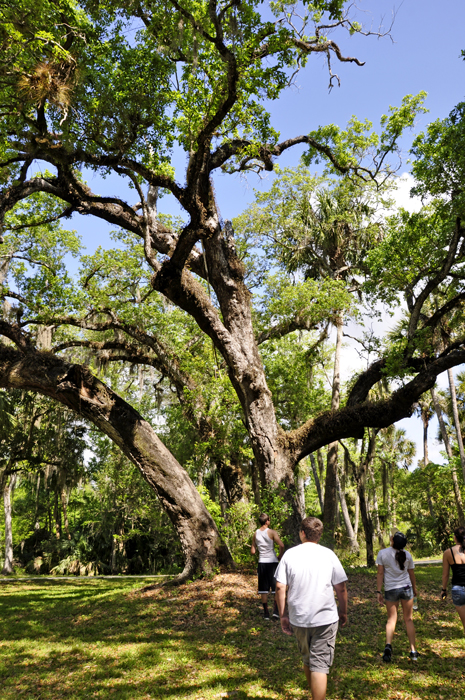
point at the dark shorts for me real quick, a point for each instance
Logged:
(316, 644)
(266, 580)
(458, 595)
(395, 594)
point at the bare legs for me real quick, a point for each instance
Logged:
(407, 609)
(461, 611)
(392, 619)
(317, 683)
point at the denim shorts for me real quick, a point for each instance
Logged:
(395, 594)
(458, 595)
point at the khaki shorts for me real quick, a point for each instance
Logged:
(316, 644)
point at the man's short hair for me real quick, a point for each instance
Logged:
(312, 528)
(263, 518)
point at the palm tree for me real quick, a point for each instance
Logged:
(440, 408)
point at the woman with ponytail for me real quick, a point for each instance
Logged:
(454, 558)
(395, 569)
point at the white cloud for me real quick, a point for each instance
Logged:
(402, 194)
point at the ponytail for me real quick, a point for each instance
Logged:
(460, 535)
(399, 541)
(400, 558)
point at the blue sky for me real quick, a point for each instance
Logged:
(423, 54)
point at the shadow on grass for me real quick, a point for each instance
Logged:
(206, 640)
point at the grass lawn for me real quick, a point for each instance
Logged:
(105, 639)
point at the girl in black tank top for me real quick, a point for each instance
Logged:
(454, 558)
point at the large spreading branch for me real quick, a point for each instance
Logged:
(351, 420)
(75, 387)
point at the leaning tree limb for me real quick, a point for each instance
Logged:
(77, 388)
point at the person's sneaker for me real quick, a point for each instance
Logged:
(414, 655)
(275, 615)
(266, 616)
(387, 656)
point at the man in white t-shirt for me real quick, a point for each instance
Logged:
(311, 574)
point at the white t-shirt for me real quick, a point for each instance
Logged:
(310, 571)
(394, 577)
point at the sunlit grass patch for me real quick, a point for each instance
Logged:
(207, 639)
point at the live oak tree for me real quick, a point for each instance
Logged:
(114, 88)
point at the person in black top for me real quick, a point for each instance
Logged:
(454, 558)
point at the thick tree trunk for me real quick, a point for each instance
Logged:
(75, 387)
(455, 413)
(233, 335)
(7, 491)
(447, 445)
(317, 481)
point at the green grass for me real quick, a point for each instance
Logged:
(104, 639)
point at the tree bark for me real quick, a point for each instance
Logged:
(7, 491)
(330, 507)
(360, 471)
(425, 421)
(321, 472)
(64, 507)
(447, 445)
(301, 494)
(57, 516)
(375, 507)
(75, 387)
(353, 544)
(317, 481)
(233, 479)
(36, 516)
(455, 413)
(366, 521)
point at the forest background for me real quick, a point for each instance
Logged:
(77, 504)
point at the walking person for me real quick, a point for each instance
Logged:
(311, 573)
(264, 540)
(454, 558)
(396, 568)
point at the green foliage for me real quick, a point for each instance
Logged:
(358, 146)
(135, 80)
(238, 528)
(295, 378)
(213, 508)
(439, 164)
(428, 534)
